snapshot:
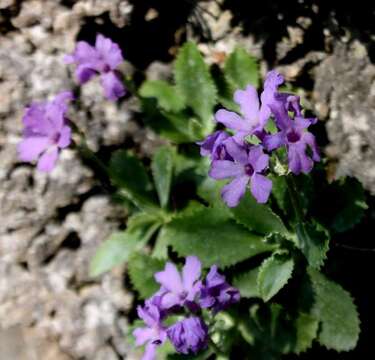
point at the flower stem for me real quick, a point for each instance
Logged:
(215, 348)
(295, 198)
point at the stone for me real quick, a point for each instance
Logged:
(344, 93)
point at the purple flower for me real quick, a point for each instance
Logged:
(214, 146)
(294, 136)
(154, 334)
(255, 114)
(180, 290)
(46, 131)
(217, 294)
(188, 335)
(248, 166)
(102, 59)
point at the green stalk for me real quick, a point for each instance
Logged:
(215, 348)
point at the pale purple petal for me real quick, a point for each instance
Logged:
(214, 278)
(236, 151)
(84, 73)
(260, 188)
(249, 103)
(298, 160)
(150, 352)
(257, 159)
(222, 169)
(47, 161)
(232, 120)
(30, 148)
(234, 191)
(65, 137)
(170, 278)
(109, 51)
(301, 123)
(112, 85)
(309, 139)
(142, 335)
(282, 119)
(272, 142)
(271, 84)
(171, 299)
(84, 52)
(191, 272)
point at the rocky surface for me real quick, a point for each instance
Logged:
(50, 225)
(345, 94)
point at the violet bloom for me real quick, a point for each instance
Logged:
(254, 114)
(214, 146)
(188, 335)
(46, 131)
(103, 59)
(180, 290)
(217, 294)
(294, 136)
(154, 334)
(248, 167)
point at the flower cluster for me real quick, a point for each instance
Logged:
(46, 131)
(46, 127)
(103, 59)
(234, 156)
(182, 292)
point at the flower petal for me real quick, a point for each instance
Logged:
(109, 51)
(65, 137)
(309, 139)
(298, 159)
(234, 191)
(249, 103)
(191, 272)
(170, 278)
(30, 148)
(48, 160)
(222, 169)
(236, 151)
(232, 120)
(84, 73)
(272, 142)
(150, 352)
(142, 335)
(257, 159)
(261, 188)
(112, 85)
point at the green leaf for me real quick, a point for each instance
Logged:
(257, 217)
(273, 330)
(129, 174)
(112, 252)
(120, 246)
(306, 332)
(167, 96)
(210, 190)
(337, 313)
(351, 205)
(141, 269)
(241, 69)
(247, 283)
(215, 239)
(313, 240)
(273, 275)
(162, 168)
(282, 195)
(195, 83)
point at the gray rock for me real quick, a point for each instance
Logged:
(51, 225)
(344, 93)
